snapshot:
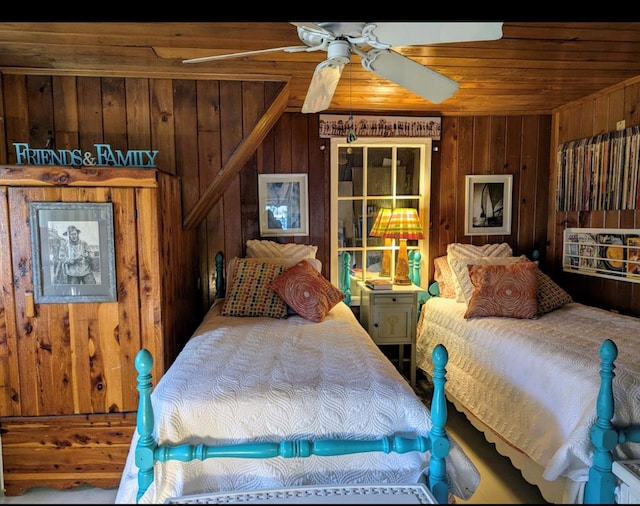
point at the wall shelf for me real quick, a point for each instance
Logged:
(600, 172)
(612, 253)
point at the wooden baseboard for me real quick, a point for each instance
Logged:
(63, 452)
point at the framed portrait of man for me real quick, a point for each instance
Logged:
(73, 252)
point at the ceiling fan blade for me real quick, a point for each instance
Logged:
(323, 86)
(410, 74)
(417, 34)
(312, 27)
(287, 49)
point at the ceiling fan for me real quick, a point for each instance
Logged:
(373, 42)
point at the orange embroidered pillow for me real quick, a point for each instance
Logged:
(460, 268)
(309, 293)
(503, 290)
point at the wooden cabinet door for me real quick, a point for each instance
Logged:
(68, 358)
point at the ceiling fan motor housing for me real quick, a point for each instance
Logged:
(339, 52)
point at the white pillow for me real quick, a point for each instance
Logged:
(257, 248)
(460, 250)
(460, 268)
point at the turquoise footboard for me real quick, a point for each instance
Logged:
(600, 489)
(436, 442)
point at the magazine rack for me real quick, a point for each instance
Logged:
(612, 253)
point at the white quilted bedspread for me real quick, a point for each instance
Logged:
(241, 379)
(535, 382)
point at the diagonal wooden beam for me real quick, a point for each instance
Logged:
(238, 159)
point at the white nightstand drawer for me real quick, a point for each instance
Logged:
(391, 299)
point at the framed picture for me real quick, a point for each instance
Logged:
(488, 205)
(73, 252)
(283, 204)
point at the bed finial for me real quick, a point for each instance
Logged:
(440, 445)
(345, 276)
(220, 285)
(600, 487)
(144, 423)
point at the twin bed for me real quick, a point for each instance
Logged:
(286, 402)
(273, 402)
(532, 383)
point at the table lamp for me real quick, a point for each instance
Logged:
(404, 224)
(377, 230)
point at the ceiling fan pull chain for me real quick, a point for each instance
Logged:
(351, 134)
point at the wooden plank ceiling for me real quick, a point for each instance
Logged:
(534, 68)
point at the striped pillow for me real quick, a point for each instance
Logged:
(486, 250)
(257, 248)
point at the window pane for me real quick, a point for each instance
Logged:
(373, 207)
(379, 171)
(350, 171)
(408, 171)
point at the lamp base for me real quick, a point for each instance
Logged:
(385, 271)
(402, 265)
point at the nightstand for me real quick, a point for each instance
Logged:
(628, 473)
(390, 316)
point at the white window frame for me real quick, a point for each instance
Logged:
(425, 146)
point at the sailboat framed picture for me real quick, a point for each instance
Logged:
(488, 204)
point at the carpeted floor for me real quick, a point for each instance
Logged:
(500, 482)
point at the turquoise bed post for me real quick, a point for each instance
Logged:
(345, 276)
(415, 275)
(144, 422)
(439, 440)
(220, 284)
(600, 487)
(415, 260)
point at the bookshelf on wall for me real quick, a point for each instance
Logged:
(600, 172)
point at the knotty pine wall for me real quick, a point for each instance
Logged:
(594, 115)
(196, 125)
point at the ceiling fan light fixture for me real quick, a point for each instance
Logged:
(339, 52)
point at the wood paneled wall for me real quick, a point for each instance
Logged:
(594, 115)
(517, 145)
(197, 124)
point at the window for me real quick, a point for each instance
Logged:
(367, 175)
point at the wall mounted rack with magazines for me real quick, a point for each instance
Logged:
(599, 172)
(605, 252)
